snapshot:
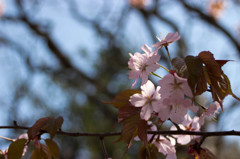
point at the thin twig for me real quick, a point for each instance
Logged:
(103, 147)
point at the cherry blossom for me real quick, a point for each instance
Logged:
(143, 64)
(174, 86)
(148, 99)
(1, 8)
(165, 146)
(175, 109)
(187, 124)
(170, 38)
(213, 108)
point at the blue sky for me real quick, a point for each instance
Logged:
(74, 37)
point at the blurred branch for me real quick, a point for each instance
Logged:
(104, 147)
(212, 21)
(53, 47)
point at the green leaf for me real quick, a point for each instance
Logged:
(16, 148)
(122, 99)
(53, 148)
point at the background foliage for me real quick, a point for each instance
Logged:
(64, 57)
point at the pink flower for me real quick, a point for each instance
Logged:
(143, 64)
(148, 99)
(165, 146)
(1, 8)
(175, 86)
(175, 110)
(174, 104)
(190, 125)
(170, 38)
(213, 108)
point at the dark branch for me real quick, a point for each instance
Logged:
(109, 134)
(103, 147)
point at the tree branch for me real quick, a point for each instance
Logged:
(103, 147)
(110, 134)
(211, 21)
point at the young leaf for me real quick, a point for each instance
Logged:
(16, 148)
(126, 112)
(149, 152)
(53, 148)
(195, 68)
(142, 131)
(122, 99)
(206, 154)
(38, 153)
(218, 81)
(2, 155)
(201, 85)
(49, 124)
(129, 128)
(180, 67)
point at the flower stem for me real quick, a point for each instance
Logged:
(197, 103)
(152, 73)
(6, 138)
(169, 55)
(163, 67)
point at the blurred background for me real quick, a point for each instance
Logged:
(62, 57)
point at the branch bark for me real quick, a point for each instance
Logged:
(110, 134)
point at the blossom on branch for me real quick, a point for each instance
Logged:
(213, 108)
(165, 146)
(170, 38)
(148, 99)
(174, 104)
(188, 124)
(174, 86)
(175, 109)
(142, 65)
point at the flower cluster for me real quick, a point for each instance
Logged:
(172, 99)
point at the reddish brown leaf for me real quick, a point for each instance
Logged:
(39, 153)
(201, 85)
(34, 131)
(222, 62)
(59, 122)
(2, 155)
(49, 124)
(206, 154)
(122, 99)
(142, 131)
(53, 148)
(195, 69)
(218, 81)
(126, 112)
(129, 128)
(149, 152)
(180, 67)
(212, 66)
(15, 150)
